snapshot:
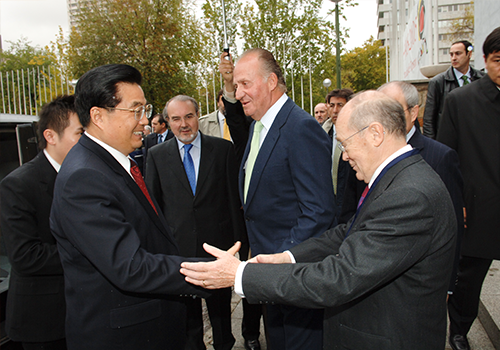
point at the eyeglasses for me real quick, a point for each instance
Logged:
(341, 146)
(139, 112)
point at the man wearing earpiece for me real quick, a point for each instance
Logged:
(459, 74)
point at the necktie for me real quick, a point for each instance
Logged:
(189, 167)
(363, 195)
(160, 138)
(252, 155)
(136, 174)
(335, 168)
(227, 134)
(465, 79)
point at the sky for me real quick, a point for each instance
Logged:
(39, 21)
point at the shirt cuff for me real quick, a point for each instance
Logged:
(230, 96)
(238, 281)
(291, 256)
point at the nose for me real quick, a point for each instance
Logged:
(345, 156)
(238, 94)
(144, 121)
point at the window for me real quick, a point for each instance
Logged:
(380, 15)
(381, 29)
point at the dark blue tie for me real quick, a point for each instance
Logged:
(189, 167)
(160, 138)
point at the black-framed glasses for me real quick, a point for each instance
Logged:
(341, 146)
(139, 112)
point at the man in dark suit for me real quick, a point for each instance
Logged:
(285, 184)
(459, 74)
(160, 134)
(35, 303)
(336, 100)
(122, 285)
(209, 212)
(471, 126)
(382, 277)
(440, 157)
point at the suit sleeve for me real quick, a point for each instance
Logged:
(239, 127)
(96, 221)
(20, 226)
(431, 109)
(448, 125)
(310, 166)
(238, 224)
(352, 267)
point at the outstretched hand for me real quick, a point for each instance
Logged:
(214, 274)
(280, 258)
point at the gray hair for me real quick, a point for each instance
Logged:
(181, 98)
(269, 65)
(373, 106)
(409, 91)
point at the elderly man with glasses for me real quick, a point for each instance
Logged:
(382, 277)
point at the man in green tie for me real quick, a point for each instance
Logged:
(459, 74)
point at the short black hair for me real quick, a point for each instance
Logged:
(219, 95)
(342, 93)
(492, 42)
(55, 115)
(98, 87)
(467, 45)
(161, 119)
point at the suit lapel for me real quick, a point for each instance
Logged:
(107, 158)
(416, 141)
(207, 158)
(174, 162)
(267, 147)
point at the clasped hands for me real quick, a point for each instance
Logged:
(221, 273)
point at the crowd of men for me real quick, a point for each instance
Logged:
(350, 226)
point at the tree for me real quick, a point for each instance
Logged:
(463, 28)
(161, 38)
(364, 67)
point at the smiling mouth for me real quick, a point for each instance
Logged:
(139, 133)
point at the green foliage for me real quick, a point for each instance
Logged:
(363, 68)
(162, 39)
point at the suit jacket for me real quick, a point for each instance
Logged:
(150, 141)
(211, 216)
(439, 88)
(290, 194)
(36, 308)
(239, 126)
(470, 125)
(384, 282)
(209, 125)
(120, 261)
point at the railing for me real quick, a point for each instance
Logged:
(25, 91)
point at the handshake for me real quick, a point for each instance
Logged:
(221, 273)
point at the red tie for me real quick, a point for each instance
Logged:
(136, 174)
(363, 195)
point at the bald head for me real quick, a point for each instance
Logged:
(321, 112)
(370, 128)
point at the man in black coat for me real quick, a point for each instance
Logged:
(459, 74)
(36, 308)
(121, 263)
(208, 212)
(471, 126)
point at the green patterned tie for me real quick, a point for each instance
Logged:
(252, 155)
(465, 79)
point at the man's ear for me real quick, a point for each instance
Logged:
(50, 136)
(96, 116)
(376, 133)
(272, 80)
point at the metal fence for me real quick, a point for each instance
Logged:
(25, 91)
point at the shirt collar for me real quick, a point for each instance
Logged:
(268, 118)
(119, 156)
(410, 133)
(196, 142)
(389, 159)
(459, 74)
(51, 160)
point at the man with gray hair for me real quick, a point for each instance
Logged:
(194, 179)
(382, 277)
(441, 158)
